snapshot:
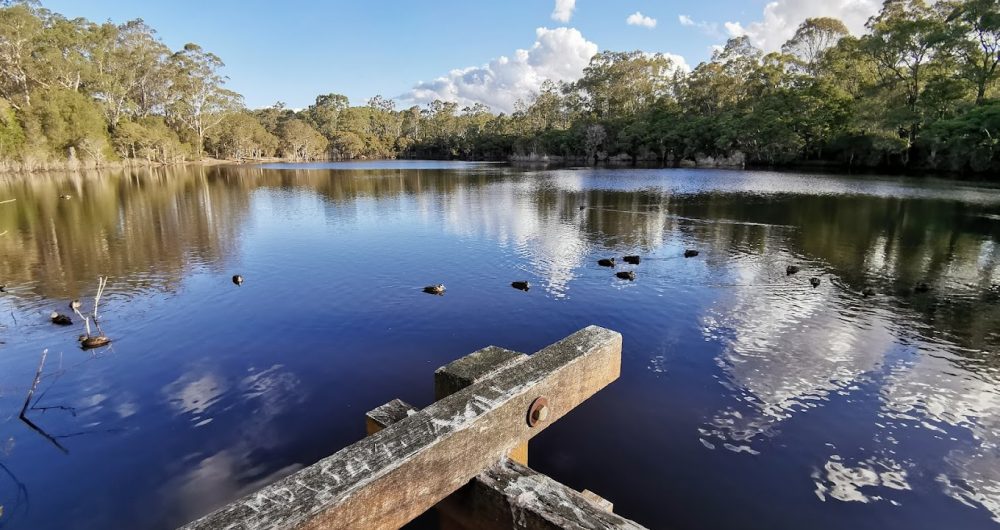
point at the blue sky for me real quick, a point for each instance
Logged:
(293, 50)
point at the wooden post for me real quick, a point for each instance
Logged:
(391, 477)
(472, 369)
(510, 495)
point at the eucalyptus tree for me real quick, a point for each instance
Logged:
(975, 26)
(21, 29)
(198, 99)
(130, 71)
(300, 140)
(620, 84)
(904, 40)
(814, 37)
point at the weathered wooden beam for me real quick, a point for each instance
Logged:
(511, 495)
(472, 369)
(385, 415)
(389, 478)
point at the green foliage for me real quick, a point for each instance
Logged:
(299, 140)
(11, 133)
(69, 122)
(239, 135)
(913, 92)
(149, 138)
(970, 141)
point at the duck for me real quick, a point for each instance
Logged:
(690, 253)
(75, 305)
(237, 279)
(3, 288)
(868, 291)
(60, 319)
(632, 260)
(626, 275)
(921, 287)
(65, 197)
(523, 286)
(88, 342)
(792, 269)
(437, 289)
(583, 208)
(606, 262)
(814, 282)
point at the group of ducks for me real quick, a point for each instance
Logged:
(87, 341)
(439, 289)
(634, 260)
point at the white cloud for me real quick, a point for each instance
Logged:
(638, 19)
(558, 54)
(563, 10)
(708, 28)
(782, 17)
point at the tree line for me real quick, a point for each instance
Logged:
(916, 91)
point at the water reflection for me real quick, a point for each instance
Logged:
(213, 390)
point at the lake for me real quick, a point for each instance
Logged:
(748, 398)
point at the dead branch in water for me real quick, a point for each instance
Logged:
(7, 201)
(38, 379)
(102, 283)
(27, 403)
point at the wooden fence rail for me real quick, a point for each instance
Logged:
(490, 404)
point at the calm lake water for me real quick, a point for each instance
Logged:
(748, 398)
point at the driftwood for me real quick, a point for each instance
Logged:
(391, 477)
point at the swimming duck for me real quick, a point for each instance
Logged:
(88, 343)
(868, 291)
(65, 197)
(3, 288)
(60, 319)
(792, 269)
(921, 288)
(237, 279)
(632, 260)
(814, 282)
(690, 253)
(435, 289)
(75, 305)
(626, 275)
(523, 286)
(606, 262)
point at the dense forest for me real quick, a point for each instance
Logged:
(916, 92)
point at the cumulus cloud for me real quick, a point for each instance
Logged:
(638, 19)
(685, 20)
(735, 29)
(563, 10)
(782, 17)
(558, 54)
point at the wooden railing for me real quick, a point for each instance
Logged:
(453, 455)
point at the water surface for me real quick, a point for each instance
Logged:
(748, 398)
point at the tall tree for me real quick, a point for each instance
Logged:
(198, 98)
(975, 26)
(813, 37)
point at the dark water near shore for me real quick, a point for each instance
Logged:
(748, 399)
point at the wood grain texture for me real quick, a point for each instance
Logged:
(511, 495)
(472, 369)
(389, 478)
